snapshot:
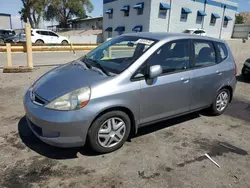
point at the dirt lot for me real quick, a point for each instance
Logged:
(167, 154)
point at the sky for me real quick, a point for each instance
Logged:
(13, 6)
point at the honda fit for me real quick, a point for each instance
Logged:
(128, 82)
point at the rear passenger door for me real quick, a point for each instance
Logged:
(207, 74)
(53, 37)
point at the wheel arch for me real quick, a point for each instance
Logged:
(40, 40)
(230, 89)
(126, 110)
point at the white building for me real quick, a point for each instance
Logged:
(124, 16)
(5, 21)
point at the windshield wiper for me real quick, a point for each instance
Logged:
(97, 65)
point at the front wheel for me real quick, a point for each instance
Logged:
(1, 41)
(221, 102)
(109, 132)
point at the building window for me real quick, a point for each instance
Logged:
(140, 12)
(126, 10)
(163, 13)
(163, 8)
(139, 7)
(109, 34)
(214, 17)
(110, 13)
(109, 30)
(225, 23)
(120, 30)
(184, 16)
(213, 20)
(126, 14)
(226, 20)
(184, 13)
(199, 18)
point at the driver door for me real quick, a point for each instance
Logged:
(170, 93)
(54, 38)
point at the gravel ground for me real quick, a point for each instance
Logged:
(166, 154)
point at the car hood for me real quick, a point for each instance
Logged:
(64, 79)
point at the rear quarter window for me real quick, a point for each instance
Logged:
(222, 52)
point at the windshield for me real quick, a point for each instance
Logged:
(118, 54)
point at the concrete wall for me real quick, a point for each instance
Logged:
(86, 39)
(129, 22)
(5, 22)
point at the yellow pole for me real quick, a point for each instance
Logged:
(109, 53)
(28, 45)
(8, 53)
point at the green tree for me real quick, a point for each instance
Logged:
(63, 10)
(239, 19)
(32, 11)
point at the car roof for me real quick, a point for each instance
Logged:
(195, 29)
(174, 36)
(41, 30)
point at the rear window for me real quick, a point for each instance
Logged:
(222, 51)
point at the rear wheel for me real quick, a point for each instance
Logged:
(109, 131)
(220, 104)
(39, 42)
(65, 42)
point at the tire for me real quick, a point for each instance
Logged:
(100, 133)
(219, 109)
(65, 42)
(1, 41)
(39, 41)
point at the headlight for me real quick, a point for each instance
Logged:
(71, 101)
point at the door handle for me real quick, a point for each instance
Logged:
(219, 73)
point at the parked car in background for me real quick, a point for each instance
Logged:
(104, 96)
(246, 68)
(5, 33)
(201, 32)
(41, 36)
(18, 38)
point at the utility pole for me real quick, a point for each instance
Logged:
(205, 6)
(169, 15)
(222, 21)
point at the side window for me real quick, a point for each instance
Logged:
(173, 56)
(52, 34)
(204, 54)
(222, 52)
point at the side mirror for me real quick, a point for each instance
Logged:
(155, 71)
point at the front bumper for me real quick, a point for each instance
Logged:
(58, 128)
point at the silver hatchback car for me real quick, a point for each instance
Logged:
(126, 83)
